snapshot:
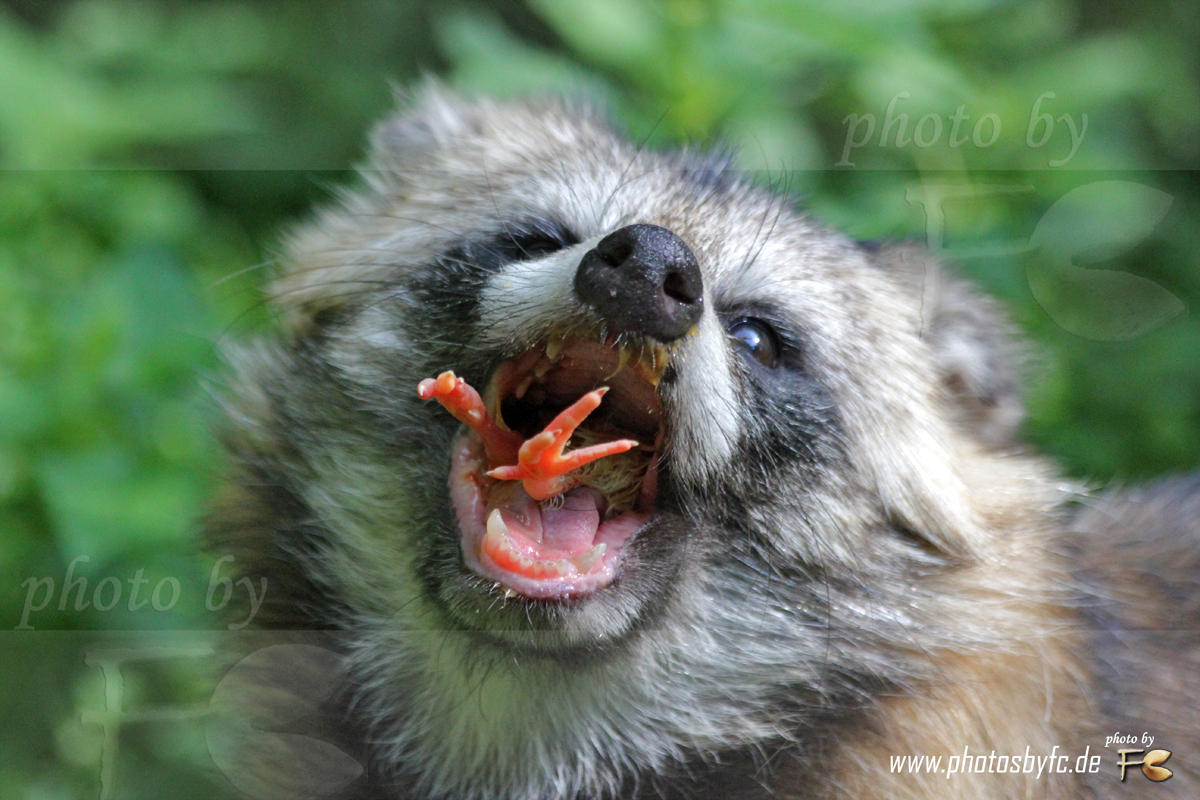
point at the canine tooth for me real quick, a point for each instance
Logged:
(541, 368)
(509, 594)
(623, 356)
(642, 366)
(554, 347)
(659, 356)
(497, 531)
(523, 386)
(585, 561)
(491, 402)
(491, 397)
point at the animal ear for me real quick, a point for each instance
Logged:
(976, 349)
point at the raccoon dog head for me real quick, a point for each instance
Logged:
(818, 429)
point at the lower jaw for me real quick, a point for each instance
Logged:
(533, 578)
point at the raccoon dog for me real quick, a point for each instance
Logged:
(795, 540)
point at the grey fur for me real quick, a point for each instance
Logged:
(834, 537)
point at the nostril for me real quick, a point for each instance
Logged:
(616, 253)
(642, 279)
(676, 287)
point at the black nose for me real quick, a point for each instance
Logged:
(643, 279)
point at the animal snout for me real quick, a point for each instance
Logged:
(643, 279)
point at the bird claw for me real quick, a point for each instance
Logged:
(541, 465)
(460, 399)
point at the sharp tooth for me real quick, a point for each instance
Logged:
(585, 561)
(497, 531)
(542, 367)
(554, 347)
(509, 594)
(644, 366)
(664, 354)
(623, 356)
(523, 386)
(491, 400)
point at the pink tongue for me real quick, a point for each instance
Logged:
(573, 527)
(569, 530)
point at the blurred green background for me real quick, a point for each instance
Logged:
(152, 152)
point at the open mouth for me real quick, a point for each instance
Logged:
(558, 468)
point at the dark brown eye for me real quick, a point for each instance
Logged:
(525, 242)
(531, 247)
(757, 340)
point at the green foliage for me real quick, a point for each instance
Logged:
(151, 152)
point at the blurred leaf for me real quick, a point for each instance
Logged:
(490, 61)
(54, 118)
(623, 34)
(101, 505)
(1094, 222)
